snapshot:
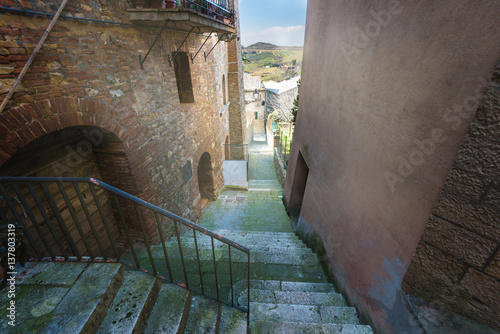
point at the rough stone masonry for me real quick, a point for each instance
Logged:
(87, 77)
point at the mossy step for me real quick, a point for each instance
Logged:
(244, 234)
(277, 285)
(51, 273)
(267, 235)
(132, 305)
(292, 298)
(232, 321)
(251, 243)
(271, 327)
(303, 313)
(222, 253)
(34, 306)
(169, 314)
(203, 316)
(273, 256)
(85, 305)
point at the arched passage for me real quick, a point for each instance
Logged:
(205, 178)
(76, 151)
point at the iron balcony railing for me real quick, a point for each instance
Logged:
(222, 10)
(83, 219)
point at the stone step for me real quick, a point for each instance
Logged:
(303, 313)
(292, 297)
(252, 243)
(264, 235)
(264, 184)
(232, 321)
(203, 316)
(169, 314)
(40, 287)
(271, 327)
(276, 285)
(222, 253)
(85, 305)
(132, 305)
(296, 256)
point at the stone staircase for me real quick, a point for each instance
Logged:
(106, 298)
(288, 291)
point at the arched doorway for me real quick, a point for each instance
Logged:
(77, 151)
(205, 178)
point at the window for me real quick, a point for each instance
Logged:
(224, 96)
(183, 77)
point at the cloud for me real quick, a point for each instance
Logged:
(284, 36)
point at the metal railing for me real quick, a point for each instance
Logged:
(222, 10)
(284, 146)
(83, 219)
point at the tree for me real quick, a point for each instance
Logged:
(295, 107)
(244, 57)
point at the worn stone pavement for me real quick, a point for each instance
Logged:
(258, 209)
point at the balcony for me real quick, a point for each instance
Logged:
(207, 15)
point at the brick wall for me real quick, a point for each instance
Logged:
(88, 74)
(457, 262)
(238, 133)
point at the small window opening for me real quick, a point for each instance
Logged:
(224, 95)
(183, 77)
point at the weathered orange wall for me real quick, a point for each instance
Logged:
(388, 91)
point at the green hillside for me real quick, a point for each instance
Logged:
(273, 62)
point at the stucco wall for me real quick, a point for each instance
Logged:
(388, 91)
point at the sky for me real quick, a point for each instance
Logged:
(280, 22)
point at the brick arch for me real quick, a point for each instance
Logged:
(23, 124)
(206, 177)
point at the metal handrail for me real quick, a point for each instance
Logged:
(44, 233)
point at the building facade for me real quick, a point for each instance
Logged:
(255, 108)
(122, 93)
(398, 122)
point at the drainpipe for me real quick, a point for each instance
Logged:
(32, 57)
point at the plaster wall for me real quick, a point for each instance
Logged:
(382, 86)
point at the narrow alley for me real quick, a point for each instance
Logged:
(258, 209)
(289, 291)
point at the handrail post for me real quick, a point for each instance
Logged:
(143, 211)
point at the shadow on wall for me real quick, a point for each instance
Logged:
(205, 177)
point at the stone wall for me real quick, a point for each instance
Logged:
(457, 262)
(238, 132)
(88, 74)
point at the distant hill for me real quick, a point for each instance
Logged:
(262, 46)
(273, 62)
(269, 46)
